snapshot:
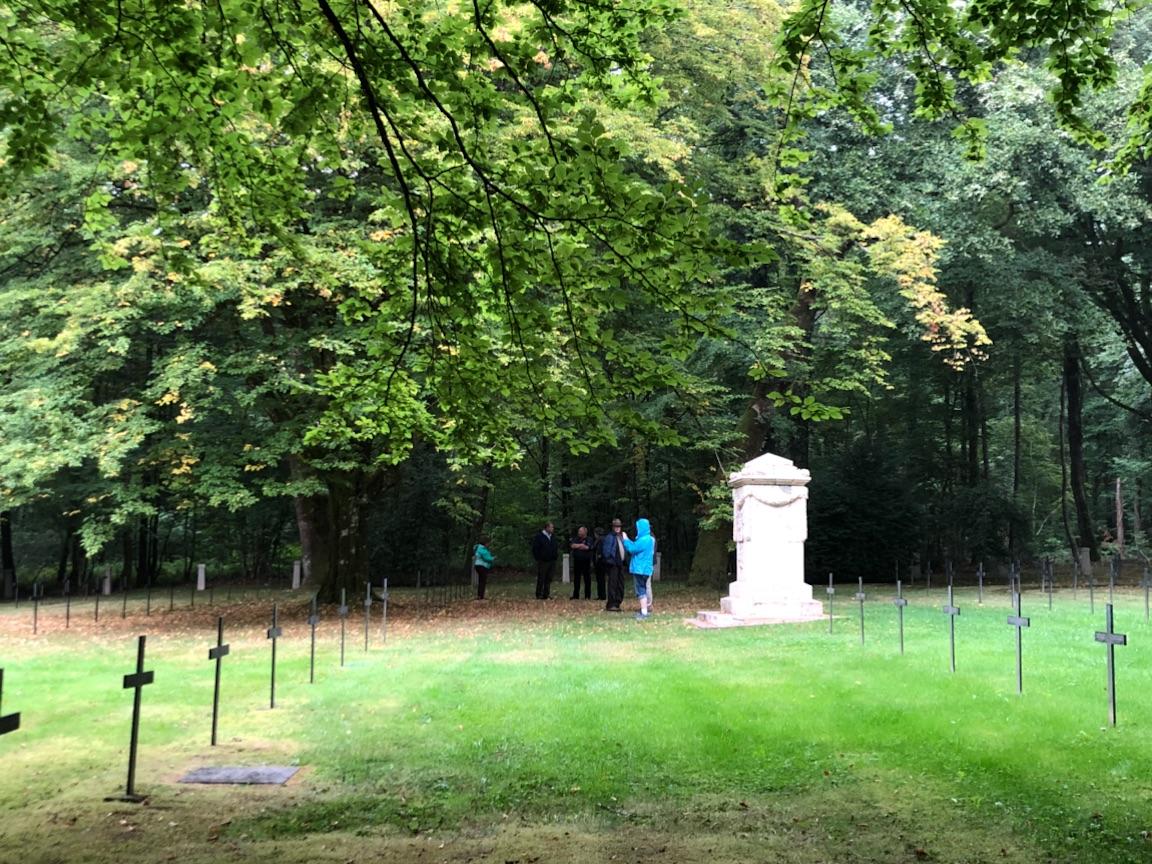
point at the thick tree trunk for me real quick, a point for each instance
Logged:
(7, 559)
(331, 537)
(1087, 537)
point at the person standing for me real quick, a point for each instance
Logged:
(545, 550)
(612, 549)
(581, 553)
(641, 552)
(598, 562)
(482, 560)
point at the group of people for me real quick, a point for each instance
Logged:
(609, 555)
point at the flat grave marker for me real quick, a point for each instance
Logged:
(242, 775)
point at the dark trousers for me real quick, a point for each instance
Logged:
(581, 567)
(544, 570)
(615, 574)
(599, 580)
(481, 581)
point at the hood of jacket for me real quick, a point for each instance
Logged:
(643, 528)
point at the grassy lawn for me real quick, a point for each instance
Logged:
(518, 731)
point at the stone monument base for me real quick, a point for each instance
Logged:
(811, 610)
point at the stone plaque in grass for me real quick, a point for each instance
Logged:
(242, 775)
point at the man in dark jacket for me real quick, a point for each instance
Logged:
(612, 550)
(545, 550)
(581, 546)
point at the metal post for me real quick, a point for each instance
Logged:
(900, 604)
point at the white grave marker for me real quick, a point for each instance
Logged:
(201, 578)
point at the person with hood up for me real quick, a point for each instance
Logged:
(642, 551)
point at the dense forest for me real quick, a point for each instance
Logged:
(356, 282)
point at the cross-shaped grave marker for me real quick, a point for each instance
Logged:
(384, 600)
(313, 620)
(1111, 638)
(831, 599)
(367, 611)
(1113, 571)
(218, 654)
(273, 633)
(1049, 575)
(860, 596)
(951, 611)
(900, 603)
(980, 584)
(12, 722)
(135, 681)
(1019, 622)
(1092, 590)
(343, 611)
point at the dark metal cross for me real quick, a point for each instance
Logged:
(980, 584)
(831, 599)
(367, 611)
(1049, 580)
(384, 600)
(273, 633)
(1019, 622)
(136, 681)
(1092, 590)
(948, 570)
(343, 611)
(313, 620)
(12, 722)
(951, 611)
(1111, 638)
(859, 595)
(900, 603)
(1113, 570)
(218, 654)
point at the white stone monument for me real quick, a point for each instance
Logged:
(296, 565)
(106, 588)
(565, 569)
(201, 577)
(769, 525)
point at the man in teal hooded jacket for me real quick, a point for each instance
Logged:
(642, 551)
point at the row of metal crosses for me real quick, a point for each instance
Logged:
(1108, 636)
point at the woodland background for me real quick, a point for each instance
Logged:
(184, 380)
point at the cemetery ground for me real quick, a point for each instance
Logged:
(517, 731)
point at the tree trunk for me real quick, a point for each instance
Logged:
(1087, 537)
(7, 559)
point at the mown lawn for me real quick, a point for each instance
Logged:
(518, 731)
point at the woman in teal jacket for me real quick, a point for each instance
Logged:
(482, 560)
(641, 552)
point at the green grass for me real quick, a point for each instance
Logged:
(555, 714)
